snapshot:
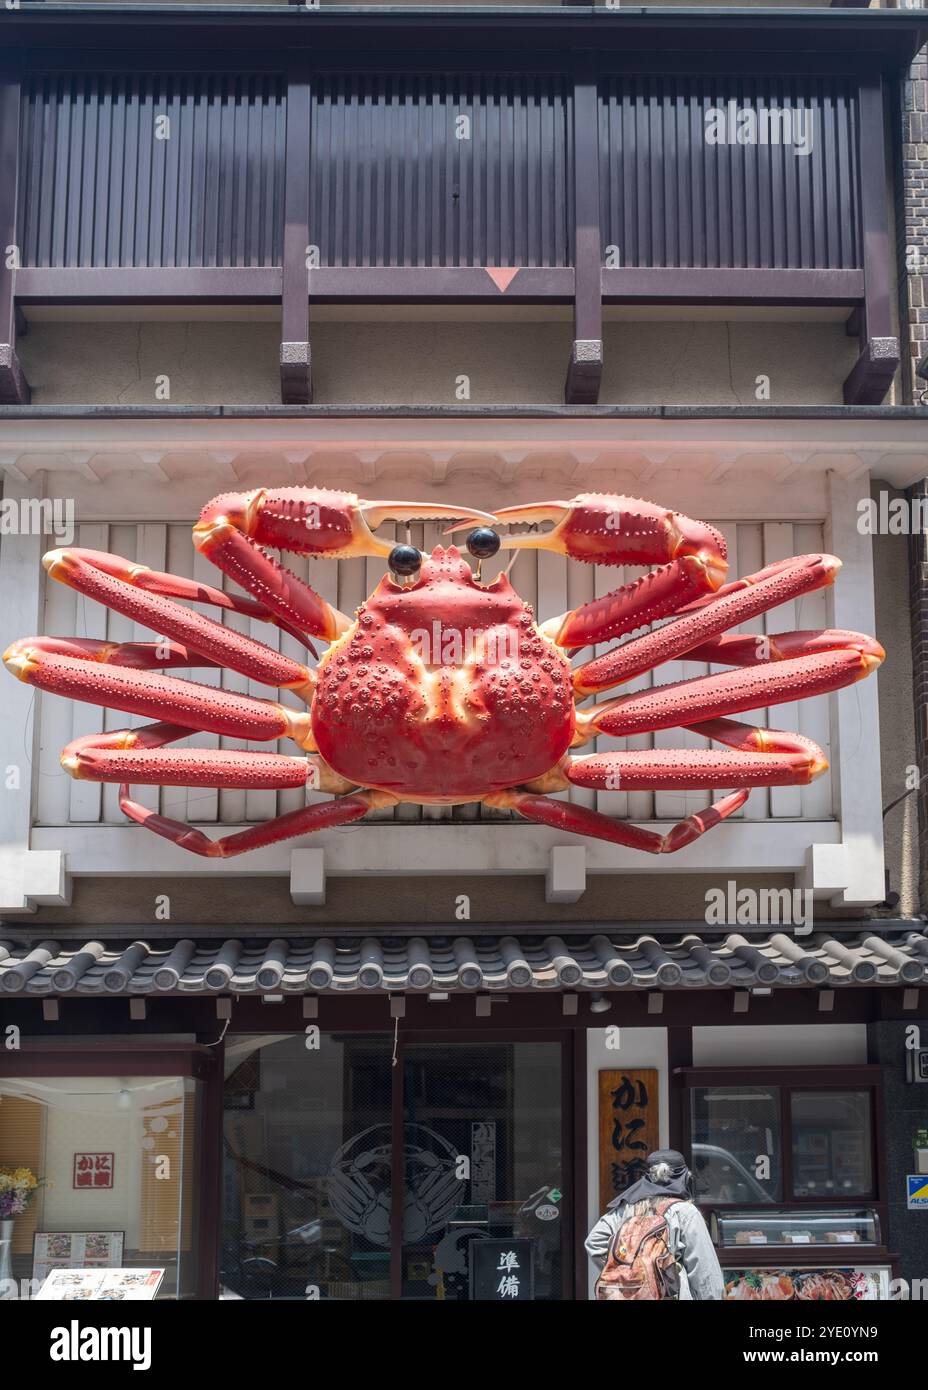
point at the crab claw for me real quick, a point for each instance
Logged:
(375, 513)
(606, 529)
(313, 521)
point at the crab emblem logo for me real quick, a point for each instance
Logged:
(359, 1189)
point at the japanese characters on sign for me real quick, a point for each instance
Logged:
(502, 1271)
(628, 1128)
(94, 1170)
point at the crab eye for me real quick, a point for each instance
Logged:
(483, 542)
(404, 560)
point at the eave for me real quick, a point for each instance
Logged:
(884, 40)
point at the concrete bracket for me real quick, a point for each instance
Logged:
(307, 877)
(565, 878)
(33, 878)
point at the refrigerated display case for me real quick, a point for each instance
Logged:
(813, 1254)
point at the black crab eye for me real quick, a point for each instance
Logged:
(483, 542)
(404, 560)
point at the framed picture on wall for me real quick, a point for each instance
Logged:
(75, 1250)
(94, 1171)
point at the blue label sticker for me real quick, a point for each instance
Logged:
(917, 1184)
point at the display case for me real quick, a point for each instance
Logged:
(814, 1254)
(790, 1228)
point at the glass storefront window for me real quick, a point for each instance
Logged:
(483, 1160)
(733, 1127)
(117, 1158)
(307, 1166)
(832, 1155)
(311, 1174)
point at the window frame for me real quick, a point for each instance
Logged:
(788, 1081)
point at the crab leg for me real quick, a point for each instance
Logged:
(115, 582)
(737, 650)
(138, 656)
(753, 739)
(319, 816)
(704, 697)
(196, 707)
(606, 529)
(139, 755)
(580, 820)
(693, 769)
(234, 529)
(755, 595)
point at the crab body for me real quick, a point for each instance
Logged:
(440, 688)
(443, 690)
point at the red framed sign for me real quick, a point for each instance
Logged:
(94, 1170)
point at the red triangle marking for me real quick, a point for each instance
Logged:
(502, 277)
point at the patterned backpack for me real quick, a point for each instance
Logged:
(640, 1264)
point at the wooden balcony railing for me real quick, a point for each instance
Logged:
(648, 167)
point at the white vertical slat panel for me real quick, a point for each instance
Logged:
(122, 542)
(750, 557)
(432, 536)
(150, 550)
(552, 597)
(261, 805)
(605, 579)
(779, 545)
(375, 567)
(194, 804)
(580, 587)
(232, 801)
(413, 533)
(55, 715)
(730, 532)
(815, 714)
(322, 575)
(86, 798)
(290, 799)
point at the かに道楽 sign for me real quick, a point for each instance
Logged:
(94, 1170)
(628, 1128)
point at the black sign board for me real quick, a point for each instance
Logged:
(502, 1271)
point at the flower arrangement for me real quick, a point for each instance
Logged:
(18, 1186)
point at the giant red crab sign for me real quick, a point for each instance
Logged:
(443, 689)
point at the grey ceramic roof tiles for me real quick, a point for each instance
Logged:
(324, 964)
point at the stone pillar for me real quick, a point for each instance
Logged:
(914, 232)
(918, 609)
(905, 1110)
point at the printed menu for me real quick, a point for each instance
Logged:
(101, 1285)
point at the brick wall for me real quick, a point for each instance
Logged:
(915, 230)
(918, 579)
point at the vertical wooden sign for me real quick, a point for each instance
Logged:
(629, 1128)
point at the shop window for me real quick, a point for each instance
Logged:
(312, 1176)
(832, 1153)
(115, 1157)
(736, 1144)
(307, 1166)
(755, 1142)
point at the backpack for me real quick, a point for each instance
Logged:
(640, 1264)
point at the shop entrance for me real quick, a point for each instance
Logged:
(368, 1167)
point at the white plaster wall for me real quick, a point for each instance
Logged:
(639, 1047)
(758, 1045)
(420, 361)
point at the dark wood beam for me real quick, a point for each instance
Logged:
(733, 286)
(296, 380)
(14, 388)
(172, 285)
(585, 371)
(872, 374)
(491, 284)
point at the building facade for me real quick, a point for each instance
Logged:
(475, 259)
